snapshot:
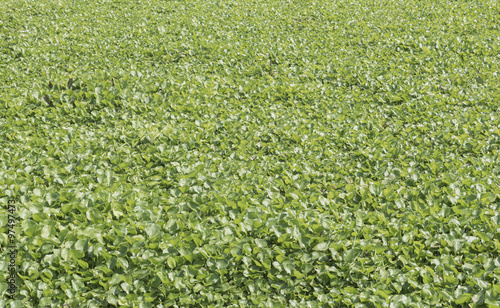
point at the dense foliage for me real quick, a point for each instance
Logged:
(268, 153)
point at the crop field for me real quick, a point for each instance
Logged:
(258, 153)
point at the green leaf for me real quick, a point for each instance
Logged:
(82, 245)
(350, 188)
(171, 262)
(321, 246)
(83, 264)
(153, 230)
(16, 304)
(463, 298)
(298, 274)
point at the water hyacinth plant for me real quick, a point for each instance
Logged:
(229, 153)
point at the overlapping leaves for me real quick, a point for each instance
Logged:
(251, 153)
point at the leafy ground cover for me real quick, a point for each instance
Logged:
(251, 153)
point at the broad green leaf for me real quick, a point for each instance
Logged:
(463, 298)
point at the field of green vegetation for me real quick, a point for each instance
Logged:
(260, 153)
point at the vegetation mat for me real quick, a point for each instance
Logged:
(260, 153)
